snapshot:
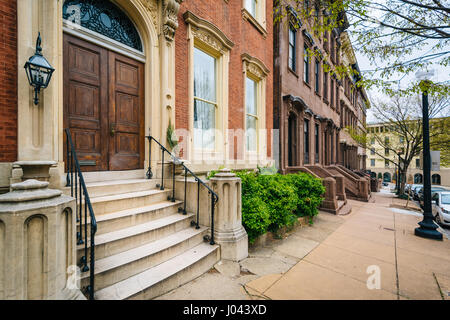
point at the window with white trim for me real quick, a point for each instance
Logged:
(205, 100)
(254, 84)
(251, 114)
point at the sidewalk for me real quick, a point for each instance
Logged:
(330, 260)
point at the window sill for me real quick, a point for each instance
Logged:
(325, 100)
(317, 94)
(248, 16)
(293, 72)
(306, 84)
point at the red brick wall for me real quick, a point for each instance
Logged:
(246, 38)
(8, 80)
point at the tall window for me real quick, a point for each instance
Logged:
(292, 47)
(332, 48)
(332, 92)
(417, 163)
(306, 140)
(325, 85)
(316, 141)
(251, 6)
(372, 151)
(251, 109)
(292, 140)
(306, 65)
(372, 162)
(205, 100)
(317, 75)
(386, 151)
(386, 163)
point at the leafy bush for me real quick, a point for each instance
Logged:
(309, 193)
(281, 199)
(270, 202)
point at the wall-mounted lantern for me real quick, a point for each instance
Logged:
(39, 71)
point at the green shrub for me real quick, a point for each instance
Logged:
(309, 193)
(273, 201)
(281, 199)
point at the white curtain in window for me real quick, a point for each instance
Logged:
(251, 114)
(250, 5)
(204, 100)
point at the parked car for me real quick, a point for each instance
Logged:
(415, 191)
(441, 207)
(407, 187)
(434, 189)
(412, 187)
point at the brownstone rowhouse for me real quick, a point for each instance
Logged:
(307, 102)
(244, 37)
(8, 80)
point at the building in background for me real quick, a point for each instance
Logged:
(353, 110)
(312, 105)
(382, 168)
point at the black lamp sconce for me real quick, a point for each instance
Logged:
(39, 71)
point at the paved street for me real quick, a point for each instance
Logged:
(371, 253)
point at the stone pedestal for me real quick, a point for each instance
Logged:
(329, 203)
(228, 229)
(38, 170)
(340, 188)
(37, 243)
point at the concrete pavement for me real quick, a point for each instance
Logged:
(372, 253)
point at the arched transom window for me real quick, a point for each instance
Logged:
(105, 18)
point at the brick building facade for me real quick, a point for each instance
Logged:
(239, 39)
(8, 80)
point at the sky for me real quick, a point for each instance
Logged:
(442, 74)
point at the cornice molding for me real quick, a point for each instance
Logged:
(208, 32)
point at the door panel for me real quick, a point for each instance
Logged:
(126, 113)
(85, 101)
(103, 106)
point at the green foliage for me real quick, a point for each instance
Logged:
(270, 202)
(397, 37)
(171, 136)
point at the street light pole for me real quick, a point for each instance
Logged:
(427, 227)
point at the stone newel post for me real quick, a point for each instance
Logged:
(37, 243)
(228, 229)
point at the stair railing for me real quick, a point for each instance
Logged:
(78, 190)
(200, 182)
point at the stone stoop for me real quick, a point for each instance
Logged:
(143, 247)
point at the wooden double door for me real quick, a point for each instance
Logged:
(103, 106)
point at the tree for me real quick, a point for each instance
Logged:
(399, 138)
(386, 31)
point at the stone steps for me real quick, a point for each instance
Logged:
(164, 277)
(142, 235)
(131, 217)
(121, 266)
(113, 203)
(108, 188)
(114, 242)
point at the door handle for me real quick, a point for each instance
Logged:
(112, 129)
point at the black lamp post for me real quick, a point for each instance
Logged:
(427, 227)
(39, 71)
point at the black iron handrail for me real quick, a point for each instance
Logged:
(214, 196)
(78, 189)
